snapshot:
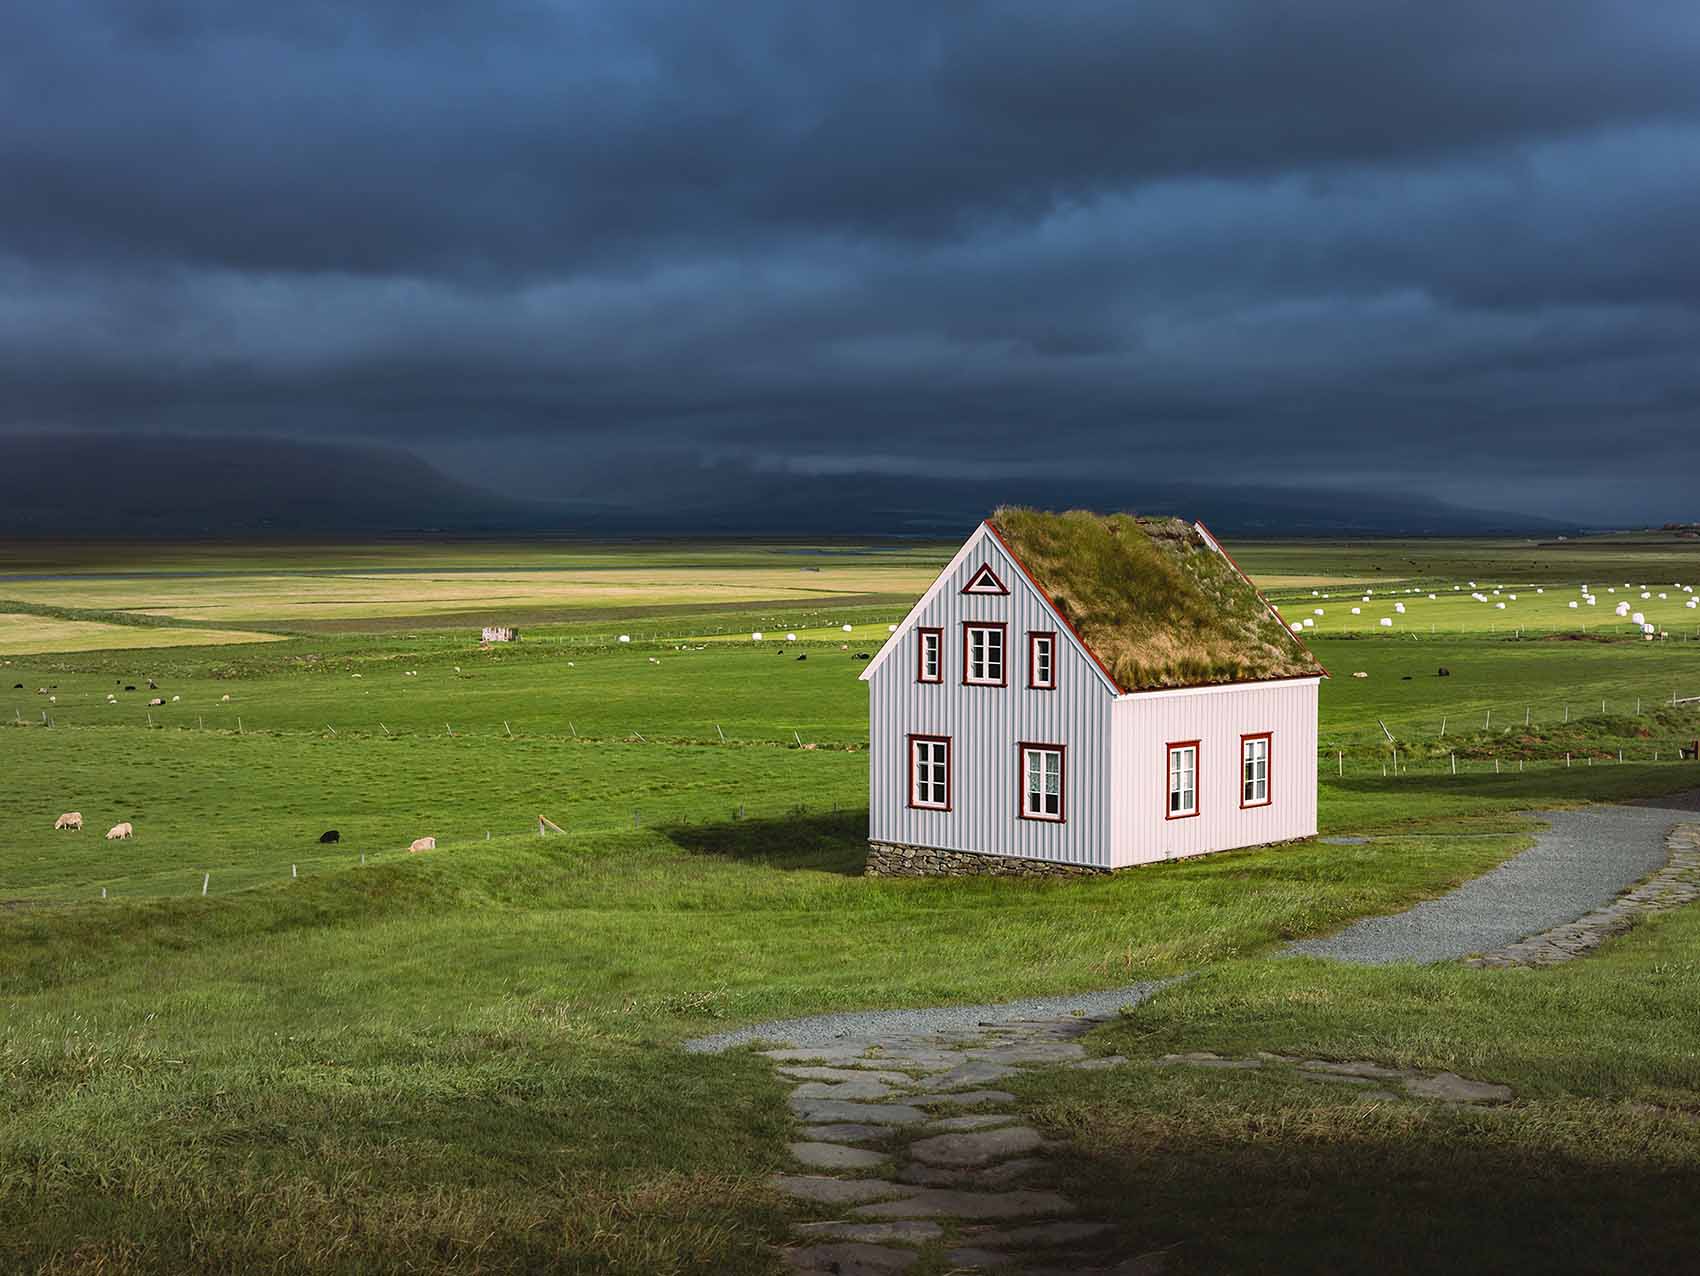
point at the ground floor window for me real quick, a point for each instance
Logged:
(1183, 779)
(1042, 781)
(1254, 770)
(929, 772)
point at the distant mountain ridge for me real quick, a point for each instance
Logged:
(101, 485)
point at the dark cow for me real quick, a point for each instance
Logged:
(1444, 672)
(329, 836)
(129, 688)
(804, 657)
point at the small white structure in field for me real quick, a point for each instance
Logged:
(625, 637)
(756, 636)
(790, 637)
(1637, 619)
(1357, 611)
(1574, 604)
(1014, 729)
(500, 633)
(1399, 607)
(1386, 622)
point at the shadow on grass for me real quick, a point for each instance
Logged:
(1432, 1196)
(835, 842)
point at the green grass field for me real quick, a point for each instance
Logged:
(466, 1060)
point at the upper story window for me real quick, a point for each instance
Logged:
(1254, 769)
(929, 772)
(1042, 782)
(929, 655)
(1183, 780)
(984, 581)
(983, 661)
(1042, 660)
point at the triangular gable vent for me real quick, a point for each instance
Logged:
(984, 581)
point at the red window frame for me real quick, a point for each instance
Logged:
(1033, 637)
(1197, 775)
(1021, 751)
(1003, 643)
(949, 771)
(921, 634)
(1268, 738)
(984, 572)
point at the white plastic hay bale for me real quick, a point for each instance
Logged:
(1309, 623)
(1499, 606)
(1574, 604)
(891, 629)
(1540, 591)
(1663, 596)
(1297, 627)
(790, 637)
(1692, 603)
(1357, 611)
(1637, 619)
(1431, 598)
(625, 637)
(1512, 597)
(1648, 630)
(1645, 594)
(846, 628)
(1386, 622)
(1399, 607)
(1317, 610)
(1592, 601)
(755, 636)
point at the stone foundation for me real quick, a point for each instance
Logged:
(891, 859)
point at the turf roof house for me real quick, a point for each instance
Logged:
(1079, 692)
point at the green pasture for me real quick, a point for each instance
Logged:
(466, 1060)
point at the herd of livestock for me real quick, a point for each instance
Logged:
(73, 821)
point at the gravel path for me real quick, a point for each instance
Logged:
(1582, 861)
(816, 1030)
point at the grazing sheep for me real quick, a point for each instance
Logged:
(423, 844)
(119, 830)
(72, 820)
(329, 836)
(152, 685)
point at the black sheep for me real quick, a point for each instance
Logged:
(329, 836)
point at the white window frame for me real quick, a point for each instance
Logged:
(1048, 640)
(984, 678)
(929, 751)
(934, 638)
(1249, 764)
(1178, 772)
(1042, 754)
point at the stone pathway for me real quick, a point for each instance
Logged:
(1580, 863)
(907, 1142)
(1676, 884)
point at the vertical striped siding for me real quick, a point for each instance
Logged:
(986, 725)
(1146, 724)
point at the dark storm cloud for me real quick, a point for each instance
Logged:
(1404, 244)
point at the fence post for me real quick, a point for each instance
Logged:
(206, 880)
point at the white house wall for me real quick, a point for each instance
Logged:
(1146, 724)
(986, 726)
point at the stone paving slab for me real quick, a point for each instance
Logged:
(846, 1074)
(846, 1132)
(904, 1231)
(830, 1191)
(973, 1072)
(963, 1098)
(977, 1147)
(835, 1156)
(859, 1091)
(820, 1111)
(977, 1121)
(945, 1202)
(1037, 1234)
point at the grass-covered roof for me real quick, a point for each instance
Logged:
(1156, 604)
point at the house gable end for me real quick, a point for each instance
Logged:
(994, 559)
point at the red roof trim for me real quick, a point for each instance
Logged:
(1055, 610)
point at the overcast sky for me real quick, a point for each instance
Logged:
(1432, 246)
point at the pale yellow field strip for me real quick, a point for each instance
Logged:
(334, 597)
(33, 635)
(1317, 582)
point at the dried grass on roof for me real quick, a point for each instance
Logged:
(1152, 599)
